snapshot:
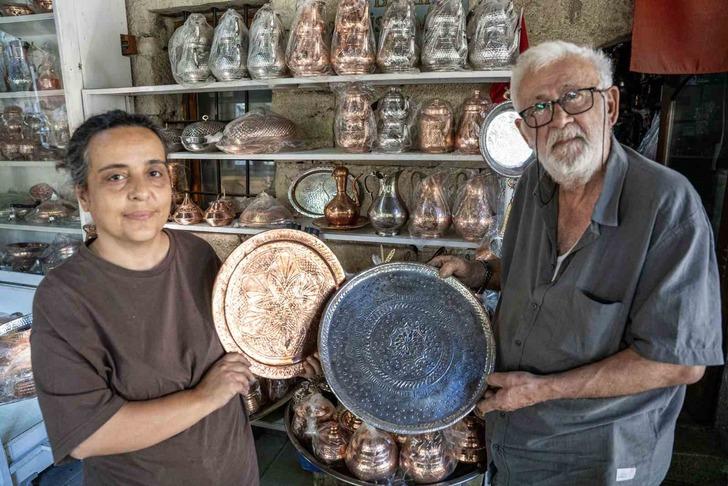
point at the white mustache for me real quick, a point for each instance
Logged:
(566, 133)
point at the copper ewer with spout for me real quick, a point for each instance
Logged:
(431, 216)
(475, 108)
(436, 127)
(342, 210)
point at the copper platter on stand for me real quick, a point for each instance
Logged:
(268, 298)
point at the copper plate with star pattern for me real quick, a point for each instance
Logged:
(268, 298)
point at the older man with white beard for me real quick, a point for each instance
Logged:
(610, 298)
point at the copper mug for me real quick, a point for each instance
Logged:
(352, 49)
(372, 455)
(342, 210)
(428, 458)
(436, 126)
(329, 443)
(475, 108)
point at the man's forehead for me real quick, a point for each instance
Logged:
(553, 79)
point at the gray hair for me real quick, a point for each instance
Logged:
(546, 53)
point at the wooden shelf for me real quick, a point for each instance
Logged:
(42, 228)
(20, 95)
(20, 278)
(28, 163)
(468, 77)
(28, 25)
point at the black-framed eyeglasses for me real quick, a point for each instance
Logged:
(573, 102)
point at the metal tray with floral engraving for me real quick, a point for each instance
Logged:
(502, 145)
(311, 191)
(268, 297)
(405, 350)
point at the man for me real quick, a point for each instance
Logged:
(609, 287)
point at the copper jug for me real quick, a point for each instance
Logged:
(352, 47)
(428, 458)
(388, 213)
(342, 210)
(329, 443)
(473, 216)
(372, 455)
(436, 126)
(468, 437)
(307, 53)
(430, 216)
(354, 124)
(188, 212)
(475, 108)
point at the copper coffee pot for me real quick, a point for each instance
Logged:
(372, 455)
(188, 212)
(469, 440)
(428, 458)
(307, 53)
(475, 108)
(342, 210)
(473, 215)
(352, 48)
(436, 127)
(329, 443)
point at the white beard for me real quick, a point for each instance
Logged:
(574, 164)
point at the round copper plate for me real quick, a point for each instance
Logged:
(268, 298)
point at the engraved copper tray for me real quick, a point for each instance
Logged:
(405, 350)
(268, 298)
(311, 191)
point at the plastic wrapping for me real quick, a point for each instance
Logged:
(352, 46)
(372, 455)
(355, 127)
(396, 116)
(48, 77)
(275, 390)
(430, 216)
(308, 413)
(189, 51)
(399, 50)
(307, 53)
(474, 214)
(229, 53)
(265, 210)
(266, 52)
(23, 256)
(201, 136)
(445, 45)
(435, 127)
(16, 375)
(62, 248)
(493, 38)
(259, 132)
(54, 210)
(329, 442)
(428, 458)
(20, 72)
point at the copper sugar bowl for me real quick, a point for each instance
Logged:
(342, 210)
(469, 440)
(329, 443)
(188, 212)
(348, 421)
(307, 53)
(428, 458)
(372, 455)
(352, 49)
(309, 413)
(254, 399)
(219, 214)
(436, 127)
(475, 108)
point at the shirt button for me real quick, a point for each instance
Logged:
(502, 415)
(534, 307)
(518, 342)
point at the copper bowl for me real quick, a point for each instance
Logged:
(309, 413)
(329, 443)
(428, 458)
(469, 440)
(372, 455)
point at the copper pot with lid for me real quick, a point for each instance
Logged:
(469, 440)
(219, 214)
(428, 458)
(329, 443)
(475, 109)
(307, 53)
(436, 126)
(372, 454)
(188, 212)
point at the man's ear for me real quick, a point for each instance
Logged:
(611, 102)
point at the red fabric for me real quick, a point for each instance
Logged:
(498, 90)
(680, 36)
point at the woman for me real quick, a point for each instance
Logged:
(130, 374)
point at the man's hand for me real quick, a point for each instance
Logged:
(312, 367)
(471, 273)
(514, 390)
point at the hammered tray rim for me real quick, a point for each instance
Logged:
(491, 161)
(308, 173)
(222, 281)
(345, 400)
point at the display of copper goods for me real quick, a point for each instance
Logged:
(474, 111)
(254, 399)
(266, 52)
(436, 127)
(309, 413)
(16, 376)
(265, 210)
(445, 45)
(43, 6)
(307, 53)
(468, 438)
(430, 216)
(22, 257)
(342, 210)
(394, 119)
(19, 74)
(268, 297)
(388, 212)
(201, 136)
(259, 132)
(348, 421)
(421, 335)
(53, 210)
(493, 36)
(48, 78)
(474, 214)
(219, 214)
(372, 455)
(41, 192)
(329, 442)
(352, 46)
(398, 47)
(188, 212)
(312, 190)
(189, 51)
(16, 8)
(428, 458)
(276, 389)
(355, 127)
(229, 53)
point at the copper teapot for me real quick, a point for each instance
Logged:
(436, 126)
(307, 53)
(188, 212)
(352, 47)
(372, 455)
(342, 210)
(428, 458)
(329, 443)
(475, 108)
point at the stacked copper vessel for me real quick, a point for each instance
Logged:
(330, 441)
(352, 46)
(309, 413)
(372, 455)
(307, 53)
(355, 127)
(428, 458)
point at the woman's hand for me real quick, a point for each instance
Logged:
(229, 376)
(312, 367)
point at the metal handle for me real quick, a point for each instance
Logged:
(366, 185)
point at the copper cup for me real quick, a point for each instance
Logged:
(436, 126)
(372, 455)
(329, 443)
(428, 458)
(467, 138)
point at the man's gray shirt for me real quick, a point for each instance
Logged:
(643, 275)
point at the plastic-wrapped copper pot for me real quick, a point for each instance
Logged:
(352, 47)
(354, 124)
(445, 45)
(219, 214)
(307, 53)
(372, 455)
(428, 458)
(329, 443)
(436, 127)
(430, 216)
(266, 51)
(475, 108)
(254, 399)
(493, 38)
(276, 389)
(468, 436)
(229, 53)
(188, 212)
(398, 47)
(309, 413)
(189, 51)
(473, 216)
(348, 421)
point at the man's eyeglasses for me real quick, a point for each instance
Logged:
(573, 102)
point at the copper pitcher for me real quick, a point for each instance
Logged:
(342, 210)
(372, 455)
(352, 47)
(430, 216)
(188, 212)
(468, 437)
(436, 126)
(475, 108)
(428, 458)
(473, 216)
(307, 53)
(329, 443)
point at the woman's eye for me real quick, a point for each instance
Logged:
(116, 177)
(156, 173)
